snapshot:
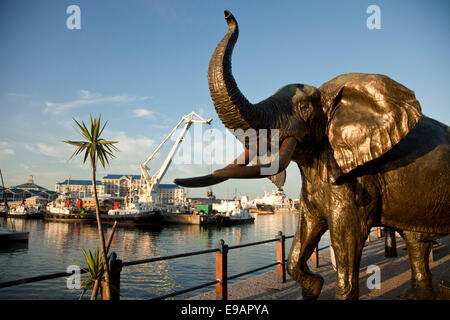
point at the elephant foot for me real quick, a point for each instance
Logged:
(311, 287)
(420, 290)
(354, 295)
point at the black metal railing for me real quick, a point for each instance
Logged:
(222, 277)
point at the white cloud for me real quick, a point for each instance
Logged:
(85, 97)
(51, 151)
(7, 152)
(60, 150)
(133, 148)
(132, 152)
(5, 149)
(4, 144)
(143, 113)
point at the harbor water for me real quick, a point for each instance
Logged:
(54, 246)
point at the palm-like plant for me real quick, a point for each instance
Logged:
(93, 270)
(96, 149)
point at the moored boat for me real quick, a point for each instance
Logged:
(133, 213)
(274, 202)
(25, 212)
(13, 235)
(81, 216)
(64, 209)
(232, 212)
(4, 209)
(264, 208)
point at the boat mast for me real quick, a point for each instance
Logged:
(4, 193)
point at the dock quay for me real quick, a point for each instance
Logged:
(395, 276)
(185, 218)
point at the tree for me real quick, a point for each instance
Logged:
(96, 149)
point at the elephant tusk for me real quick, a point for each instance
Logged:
(198, 182)
(209, 180)
(285, 155)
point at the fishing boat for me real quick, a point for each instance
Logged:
(133, 213)
(25, 212)
(64, 208)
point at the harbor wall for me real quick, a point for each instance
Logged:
(180, 218)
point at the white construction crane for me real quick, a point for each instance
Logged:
(152, 182)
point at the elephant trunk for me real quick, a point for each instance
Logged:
(232, 107)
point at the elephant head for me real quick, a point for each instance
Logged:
(348, 121)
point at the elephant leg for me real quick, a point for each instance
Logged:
(418, 253)
(348, 243)
(309, 231)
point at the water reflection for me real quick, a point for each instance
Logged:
(55, 245)
(12, 246)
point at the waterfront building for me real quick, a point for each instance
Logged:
(27, 190)
(119, 185)
(80, 188)
(170, 193)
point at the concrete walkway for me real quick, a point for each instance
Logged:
(395, 276)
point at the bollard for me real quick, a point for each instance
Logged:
(281, 266)
(115, 267)
(221, 271)
(390, 244)
(444, 290)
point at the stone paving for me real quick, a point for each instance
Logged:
(395, 276)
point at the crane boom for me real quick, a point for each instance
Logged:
(162, 143)
(151, 183)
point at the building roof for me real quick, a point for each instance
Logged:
(118, 176)
(14, 190)
(29, 185)
(79, 182)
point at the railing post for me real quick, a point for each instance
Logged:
(221, 271)
(281, 266)
(315, 256)
(115, 267)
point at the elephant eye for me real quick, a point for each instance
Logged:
(305, 110)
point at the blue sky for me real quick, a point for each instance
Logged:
(143, 64)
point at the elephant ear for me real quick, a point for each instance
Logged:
(368, 114)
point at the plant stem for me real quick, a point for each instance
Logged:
(98, 281)
(100, 233)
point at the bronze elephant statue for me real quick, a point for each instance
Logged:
(366, 154)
